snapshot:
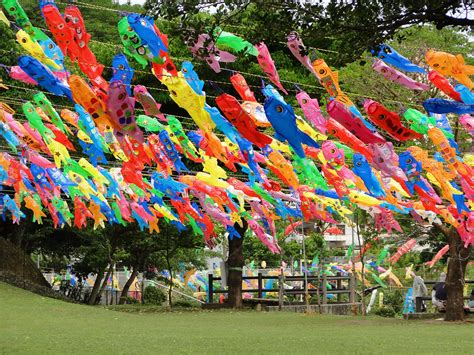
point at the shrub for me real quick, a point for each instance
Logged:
(131, 300)
(394, 298)
(183, 304)
(152, 295)
(385, 311)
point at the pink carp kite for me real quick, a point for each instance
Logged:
(396, 76)
(268, 65)
(438, 256)
(312, 111)
(204, 48)
(296, 46)
(405, 248)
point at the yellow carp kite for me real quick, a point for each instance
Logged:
(451, 65)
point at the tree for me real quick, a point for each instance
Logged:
(235, 263)
(360, 24)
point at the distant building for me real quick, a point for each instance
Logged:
(342, 240)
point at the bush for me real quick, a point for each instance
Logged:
(152, 295)
(131, 300)
(385, 311)
(394, 299)
(183, 304)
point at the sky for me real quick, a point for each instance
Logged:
(134, 2)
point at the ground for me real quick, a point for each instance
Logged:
(33, 324)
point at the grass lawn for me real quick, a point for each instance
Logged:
(33, 324)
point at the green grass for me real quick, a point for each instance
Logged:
(33, 324)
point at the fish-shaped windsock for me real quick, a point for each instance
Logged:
(418, 121)
(396, 76)
(231, 41)
(86, 124)
(10, 205)
(449, 154)
(389, 121)
(4, 19)
(33, 48)
(385, 220)
(150, 124)
(340, 132)
(43, 76)
(63, 34)
(352, 122)
(413, 168)
(9, 136)
(222, 124)
(308, 173)
(405, 248)
(88, 99)
(36, 121)
(16, 73)
(451, 65)
(363, 170)
(185, 97)
(50, 48)
(42, 101)
(438, 256)
(133, 45)
(436, 105)
(60, 137)
(392, 57)
(281, 167)
(122, 71)
(270, 242)
(240, 85)
(187, 69)
(312, 111)
(266, 62)
(148, 103)
(171, 151)
(443, 84)
(330, 81)
(283, 120)
(121, 109)
(87, 61)
(143, 26)
(386, 160)
(299, 50)
(204, 48)
(186, 145)
(466, 95)
(232, 110)
(468, 122)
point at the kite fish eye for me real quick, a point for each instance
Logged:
(279, 108)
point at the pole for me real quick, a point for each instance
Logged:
(210, 288)
(306, 293)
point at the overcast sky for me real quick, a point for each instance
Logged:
(133, 2)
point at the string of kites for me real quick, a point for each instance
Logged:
(309, 156)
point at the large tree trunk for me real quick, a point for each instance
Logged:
(235, 262)
(457, 262)
(126, 287)
(96, 288)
